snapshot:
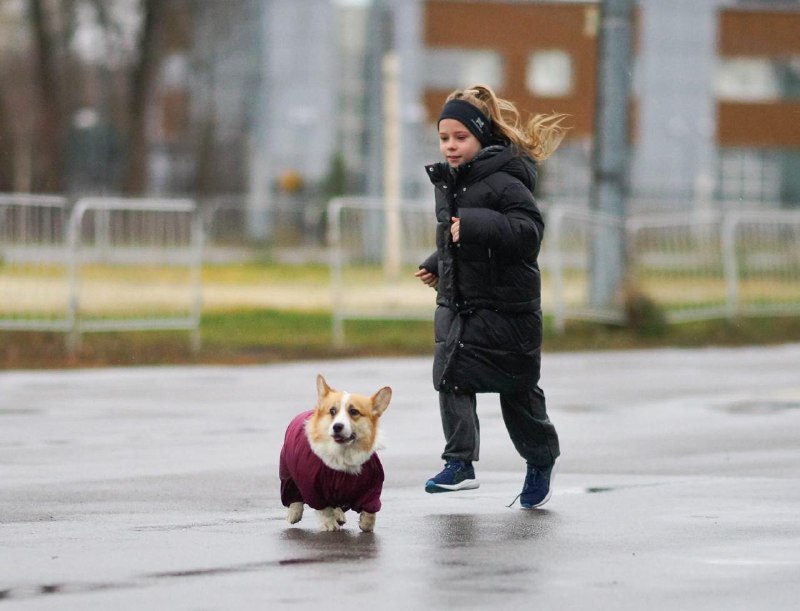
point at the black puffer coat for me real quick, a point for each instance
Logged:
(488, 323)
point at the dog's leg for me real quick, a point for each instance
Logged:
(295, 513)
(366, 521)
(327, 519)
(338, 512)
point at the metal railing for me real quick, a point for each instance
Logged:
(565, 262)
(106, 264)
(695, 266)
(761, 258)
(34, 279)
(362, 286)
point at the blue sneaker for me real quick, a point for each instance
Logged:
(538, 486)
(456, 475)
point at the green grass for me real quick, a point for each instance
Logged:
(250, 272)
(236, 331)
(265, 336)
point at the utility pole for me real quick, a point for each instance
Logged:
(379, 42)
(260, 199)
(610, 161)
(391, 170)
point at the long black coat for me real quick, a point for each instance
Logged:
(488, 323)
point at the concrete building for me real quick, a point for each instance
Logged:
(715, 104)
(715, 107)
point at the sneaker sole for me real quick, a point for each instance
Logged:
(467, 484)
(549, 491)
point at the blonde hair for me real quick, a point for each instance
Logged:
(539, 137)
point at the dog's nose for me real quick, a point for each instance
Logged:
(337, 428)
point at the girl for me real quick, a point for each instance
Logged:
(488, 322)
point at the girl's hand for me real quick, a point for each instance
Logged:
(429, 278)
(455, 228)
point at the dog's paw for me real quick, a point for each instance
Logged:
(366, 521)
(295, 513)
(338, 513)
(327, 519)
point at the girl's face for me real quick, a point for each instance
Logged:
(457, 144)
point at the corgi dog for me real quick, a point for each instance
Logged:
(328, 460)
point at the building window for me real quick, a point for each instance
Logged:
(757, 79)
(749, 176)
(550, 73)
(458, 68)
(567, 175)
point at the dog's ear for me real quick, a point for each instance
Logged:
(380, 400)
(322, 387)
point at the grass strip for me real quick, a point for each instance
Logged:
(270, 335)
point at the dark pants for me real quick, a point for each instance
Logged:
(525, 417)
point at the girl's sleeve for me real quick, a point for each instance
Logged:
(431, 263)
(514, 230)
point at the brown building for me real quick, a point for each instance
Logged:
(716, 89)
(522, 37)
(768, 41)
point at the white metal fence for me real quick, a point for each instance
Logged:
(225, 220)
(566, 261)
(362, 286)
(34, 279)
(105, 264)
(694, 266)
(762, 263)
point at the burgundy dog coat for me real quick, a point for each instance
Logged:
(306, 479)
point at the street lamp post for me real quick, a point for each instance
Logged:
(611, 153)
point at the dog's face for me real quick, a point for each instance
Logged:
(346, 421)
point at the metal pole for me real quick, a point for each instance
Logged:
(379, 41)
(391, 169)
(73, 338)
(259, 196)
(556, 222)
(196, 273)
(336, 262)
(610, 162)
(730, 224)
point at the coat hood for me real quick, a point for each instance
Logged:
(494, 158)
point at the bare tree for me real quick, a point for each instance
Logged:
(7, 145)
(50, 146)
(141, 84)
(57, 97)
(65, 85)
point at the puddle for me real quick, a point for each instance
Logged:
(604, 489)
(292, 561)
(18, 411)
(319, 547)
(583, 409)
(53, 589)
(192, 525)
(763, 406)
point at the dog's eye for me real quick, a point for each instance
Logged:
(333, 411)
(353, 412)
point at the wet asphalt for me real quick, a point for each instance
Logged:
(136, 488)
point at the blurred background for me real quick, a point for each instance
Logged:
(296, 132)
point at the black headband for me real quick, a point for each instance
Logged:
(471, 117)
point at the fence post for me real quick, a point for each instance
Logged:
(196, 273)
(730, 224)
(336, 262)
(73, 338)
(555, 220)
(391, 171)
(609, 189)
